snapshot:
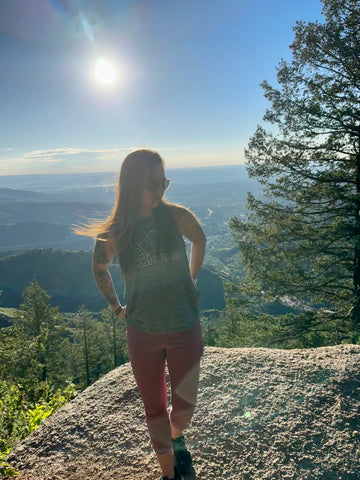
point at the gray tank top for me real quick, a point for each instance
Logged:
(159, 292)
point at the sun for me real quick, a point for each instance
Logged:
(105, 71)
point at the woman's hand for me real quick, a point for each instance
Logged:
(122, 313)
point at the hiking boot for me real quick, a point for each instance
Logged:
(182, 455)
(177, 473)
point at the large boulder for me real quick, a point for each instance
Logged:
(261, 414)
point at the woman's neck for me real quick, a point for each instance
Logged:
(145, 212)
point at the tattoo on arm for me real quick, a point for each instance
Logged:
(106, 286)
(100, 255)
(102, 275)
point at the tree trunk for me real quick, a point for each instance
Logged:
(86, 356)
(356, 278)
(114, 341)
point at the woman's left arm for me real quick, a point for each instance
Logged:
(191, 229)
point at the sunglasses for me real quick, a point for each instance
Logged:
(154, 186)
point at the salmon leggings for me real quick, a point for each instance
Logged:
(149, 353)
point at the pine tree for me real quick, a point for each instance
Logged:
(95, 346)
(303, 241)
(37, 321)
(115, 331)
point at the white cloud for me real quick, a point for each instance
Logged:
(64, 159)
(52, 152)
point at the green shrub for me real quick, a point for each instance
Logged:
(19, 417)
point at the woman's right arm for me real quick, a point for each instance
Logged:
(103, 254)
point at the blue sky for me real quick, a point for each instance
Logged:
(188, 75)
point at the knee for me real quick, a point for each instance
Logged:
(153, 411)
(181, 415)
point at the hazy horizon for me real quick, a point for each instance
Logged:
(74, 181)
(103, 172)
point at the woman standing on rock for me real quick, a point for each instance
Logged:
(146, 234)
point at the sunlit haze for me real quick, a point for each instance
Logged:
(87, 82)
(105, 71)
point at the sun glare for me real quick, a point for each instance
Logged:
(105, 71)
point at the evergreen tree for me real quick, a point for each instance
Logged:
(37, 337)
(115, 331)
(95, 347)
(303, 241)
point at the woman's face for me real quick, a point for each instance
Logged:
(153, 190)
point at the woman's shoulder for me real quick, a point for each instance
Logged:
(177, 211)
(108, 239)
(105, 236)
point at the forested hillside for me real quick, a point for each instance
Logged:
(67, 277)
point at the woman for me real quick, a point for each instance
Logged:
(146, 234)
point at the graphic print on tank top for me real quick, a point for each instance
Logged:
(146, 253)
